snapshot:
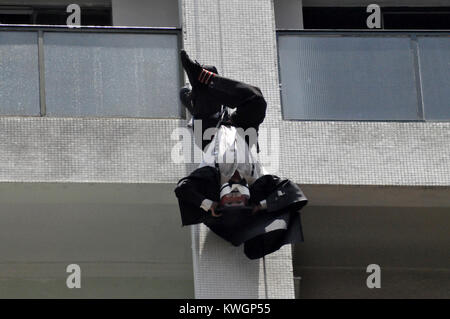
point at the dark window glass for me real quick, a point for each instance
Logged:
(436, 18)
(100, 16)
(417, 18)
(16, 18)
(334, 18)
(52, 17)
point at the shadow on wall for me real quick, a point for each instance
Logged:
(409, 244)
(126, 238)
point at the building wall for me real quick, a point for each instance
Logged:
(116, 150)
(146, 13)
(366, 153)
(288, 14)
(239, 38)
(312, 152)
(126, 238)
(410, 244)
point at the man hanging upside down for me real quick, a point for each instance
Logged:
(231, 192)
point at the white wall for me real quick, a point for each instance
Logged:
(288, 14)
(145, 13)
(410, 244)
(127, 239)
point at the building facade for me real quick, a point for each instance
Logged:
(89, 121)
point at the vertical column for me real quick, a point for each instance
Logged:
(289, 14)
(239, 38)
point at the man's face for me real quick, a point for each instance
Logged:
(234, 199)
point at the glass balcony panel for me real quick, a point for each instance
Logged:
(347, 78)
(19, 73)
(434, 60)
(100, 74)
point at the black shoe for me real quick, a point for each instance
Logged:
(210, 68)
(192, 68)
(187, 99)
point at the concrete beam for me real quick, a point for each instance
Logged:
(377, 196)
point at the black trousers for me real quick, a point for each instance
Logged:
(248, 101)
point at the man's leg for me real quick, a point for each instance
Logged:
(247, 99)
(186, 100)
(212, 89)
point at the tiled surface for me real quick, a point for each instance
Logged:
(366, 153)
(87, 150)
(222, 270)
(34, 149)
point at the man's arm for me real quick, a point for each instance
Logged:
(188, 193)
(209, 205)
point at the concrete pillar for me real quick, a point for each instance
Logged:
(145, 13)
(239, 38)
(289, 14)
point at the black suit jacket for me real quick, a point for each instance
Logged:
(192, 190)
(262, 233)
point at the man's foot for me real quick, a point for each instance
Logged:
(192, 68)
(211, 68)
(186, 99)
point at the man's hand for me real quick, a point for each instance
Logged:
(259, 207)
(256, 208)
(213, 210)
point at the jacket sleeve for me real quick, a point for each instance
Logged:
(287, 195)
(192, 191)
(278, 193)
(263, 187)
(185, 191)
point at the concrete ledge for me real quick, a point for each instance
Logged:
(377, 196)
